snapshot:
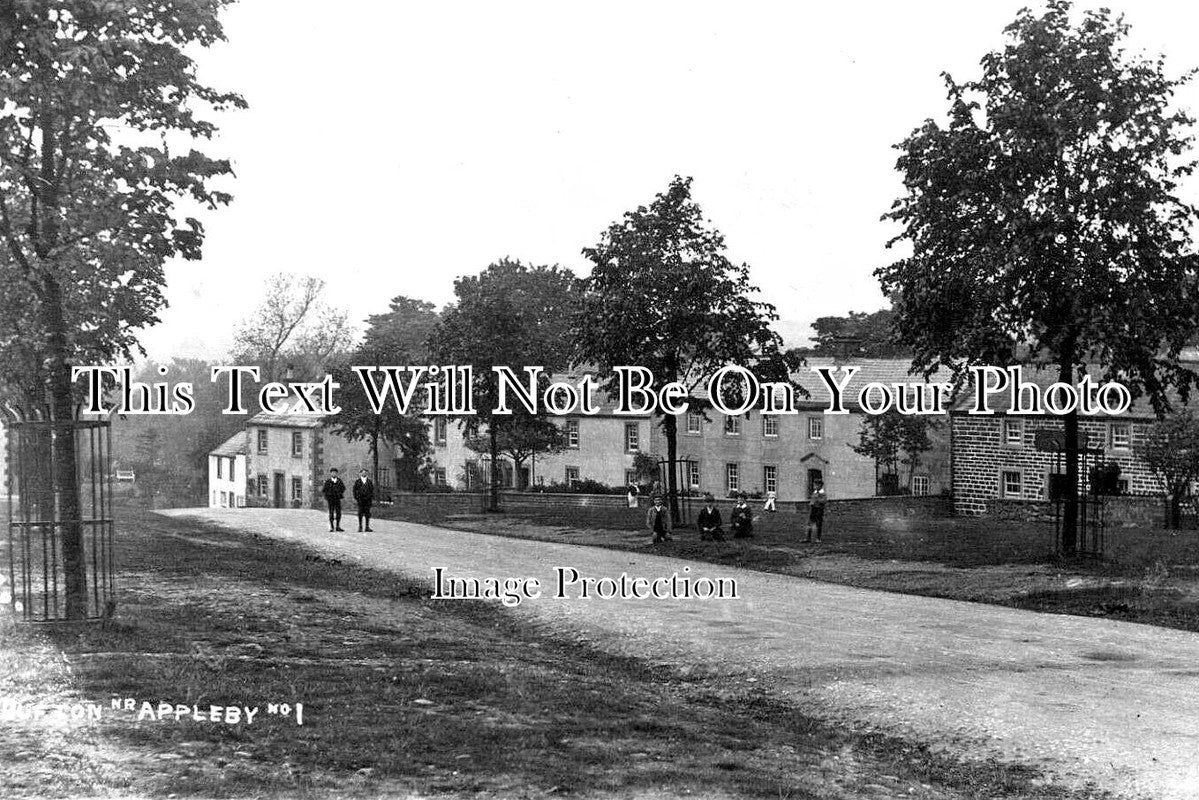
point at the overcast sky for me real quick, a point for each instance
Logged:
(390, 147)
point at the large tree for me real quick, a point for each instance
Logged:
(1044, 217)
(508, 315)
(292, 329)
(95, 99)
(662, 294)
(400, 336)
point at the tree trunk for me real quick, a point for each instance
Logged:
(670, 429)
(494, 504)
(1070, 423)
(62, 450)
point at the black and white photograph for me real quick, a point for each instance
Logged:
(537, 400)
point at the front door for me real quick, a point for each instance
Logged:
(278, 495)
(815, 478)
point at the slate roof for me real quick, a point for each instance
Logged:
(235, 445)
(288, 420)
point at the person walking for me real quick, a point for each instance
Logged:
(333, 490)
(364, 496)
(709, 520)
(657, 519)
(816, 504)
(632, 496)
(742, 519)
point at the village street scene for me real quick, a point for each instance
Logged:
(520, 400)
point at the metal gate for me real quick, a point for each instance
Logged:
(679, 503)
(1090, 539)
(46, 551)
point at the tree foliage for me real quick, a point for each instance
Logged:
(858, 335)
(292, 328)
(399, 336)
(513, 315)
(1171, 451)
(663, 294)
(893, 439)
(1044, 216)
(92, 95)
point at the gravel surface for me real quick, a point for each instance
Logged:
(1090, 701)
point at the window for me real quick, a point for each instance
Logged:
(693, 474)
(224, 499)
(770, 425)
(815, 428)
(297, 444)
(1121, 435)
(732, 475)
(262, 487)
(1011, 483)
(695, 422)
(630, 477)
(732, 426)
(232, 469)
(385, 476)
(770, 479)
(572, 476)
(261, 440)
(220, 467)
(920, 484)
(472, 474)
(1013, 431)
(439, 430)
(1122, 485)
(297, 488)
(572, 433)
(439, 477)
(632, 437)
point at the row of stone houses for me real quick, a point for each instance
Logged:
(281, 460)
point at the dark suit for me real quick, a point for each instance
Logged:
(742, 522)
(333, 490)
(364, 496)
(709, 522)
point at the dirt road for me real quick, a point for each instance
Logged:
(1088, 700)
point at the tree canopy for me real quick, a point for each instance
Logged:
(663, 294)
(512, 315)
(1044, 218)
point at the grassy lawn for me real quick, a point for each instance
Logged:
(402, 697)
(1148, 575)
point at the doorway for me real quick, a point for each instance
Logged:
(278, 493)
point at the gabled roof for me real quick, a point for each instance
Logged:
(235, 445)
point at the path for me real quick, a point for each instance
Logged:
(1086, 699)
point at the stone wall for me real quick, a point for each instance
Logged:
(1118, 512)
(980, 455)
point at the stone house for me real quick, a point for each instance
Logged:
(288, 457)
(227, 473)
(996, 458)
(755, 453)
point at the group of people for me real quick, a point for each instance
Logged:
(741, 520)
(334, 489)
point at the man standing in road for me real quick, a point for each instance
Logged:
(333, 490)
(364, 496)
